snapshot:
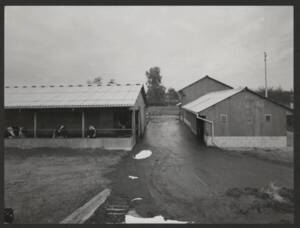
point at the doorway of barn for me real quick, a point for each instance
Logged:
(200, 130)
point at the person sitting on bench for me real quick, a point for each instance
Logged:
(91, 133)
(10, 133)
(60, 132)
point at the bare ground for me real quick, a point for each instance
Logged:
(186, 181)
(46, 185)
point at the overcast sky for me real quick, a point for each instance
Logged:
(71, 44)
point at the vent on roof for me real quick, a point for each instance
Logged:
(128, 84)
(118, 84)
(15, 86)
(98, 85)
(33, 86)
(24, 86)
(6, 86)
(138, 84)
(43, 86)
(52, 86)
(79, 85)
(108, 84)
(61, 86)
(70, 85)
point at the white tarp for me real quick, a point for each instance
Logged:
(143, 154)
(132, 217)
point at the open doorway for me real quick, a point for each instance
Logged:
(200, 130)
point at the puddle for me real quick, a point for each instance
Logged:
(143, 154)
(132, 217)
(132, 177)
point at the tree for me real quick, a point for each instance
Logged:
(97, 81)
(279, 95)
(155, 90)
(172, 96)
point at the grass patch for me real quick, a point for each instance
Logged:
(45, 185)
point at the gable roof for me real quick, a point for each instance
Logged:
(213, 98)
(72, 96)
(209, 100)
(205, 78)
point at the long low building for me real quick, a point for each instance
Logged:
(235, 117)
(117, 112)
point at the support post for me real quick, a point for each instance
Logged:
(133, 123)
(82, 124)
(34, 124)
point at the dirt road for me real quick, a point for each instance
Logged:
(186, 181)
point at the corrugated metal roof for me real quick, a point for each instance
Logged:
(71, 96)
(209, 99)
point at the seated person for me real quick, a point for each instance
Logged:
(120, 125)
(91, 133)
(10, 132)
(60, 132)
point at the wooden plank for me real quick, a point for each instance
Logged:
(87, 210)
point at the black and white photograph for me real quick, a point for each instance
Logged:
(148, 114)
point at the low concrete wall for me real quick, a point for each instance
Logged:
(105, 143)
(246, 141)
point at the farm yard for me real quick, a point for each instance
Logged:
(46, 185)
(183, 180)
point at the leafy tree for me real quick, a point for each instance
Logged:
(97, 81)
(155, 89)
(279, 95)
(172, 96)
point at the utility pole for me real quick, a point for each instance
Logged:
(266, 85)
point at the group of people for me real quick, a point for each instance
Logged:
(14, 131)
(61, 131)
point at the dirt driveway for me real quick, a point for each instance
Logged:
(186, 181)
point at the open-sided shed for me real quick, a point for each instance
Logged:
(117, 112)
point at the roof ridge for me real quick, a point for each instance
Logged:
(206, 76)
(71, 85)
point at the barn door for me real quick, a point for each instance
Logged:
(200, 130)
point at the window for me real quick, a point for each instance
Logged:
(224, 118)
(268, 117)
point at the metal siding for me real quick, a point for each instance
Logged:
(201, 88)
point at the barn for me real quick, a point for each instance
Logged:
(117, 113)
(233, 117)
